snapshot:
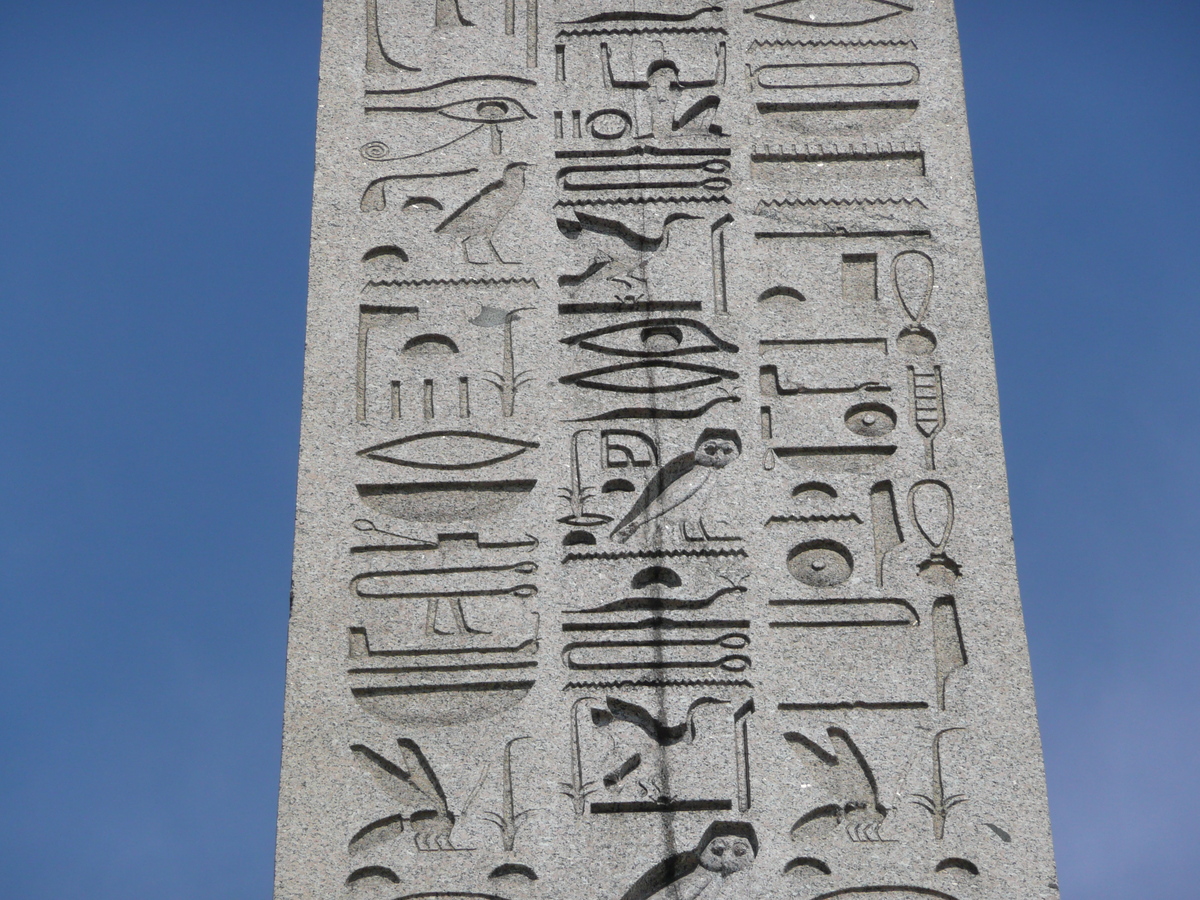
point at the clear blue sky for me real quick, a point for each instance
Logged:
(155, 175)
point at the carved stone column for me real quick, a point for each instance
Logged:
(652, 534)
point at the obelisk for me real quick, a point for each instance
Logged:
(652, 537)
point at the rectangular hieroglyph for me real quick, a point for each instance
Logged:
(652, 535)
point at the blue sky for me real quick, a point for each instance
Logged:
(155, 175)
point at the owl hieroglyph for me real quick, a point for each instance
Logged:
(725, 849)
(685, 479)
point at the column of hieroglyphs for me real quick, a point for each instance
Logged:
(653, 536)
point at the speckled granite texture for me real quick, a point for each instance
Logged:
(652, 536)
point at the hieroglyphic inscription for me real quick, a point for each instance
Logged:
(652, 535)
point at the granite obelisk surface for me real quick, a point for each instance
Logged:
(652, 537)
